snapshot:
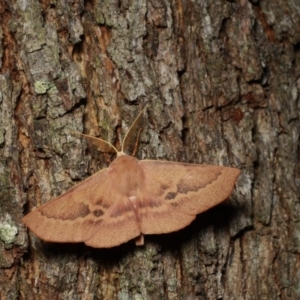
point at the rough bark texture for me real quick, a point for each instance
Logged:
(222, 82)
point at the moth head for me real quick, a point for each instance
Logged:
(121, 153)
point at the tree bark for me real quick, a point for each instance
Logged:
(221, 79)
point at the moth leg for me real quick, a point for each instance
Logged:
(139, 241)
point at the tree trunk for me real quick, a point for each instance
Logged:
(221, 79)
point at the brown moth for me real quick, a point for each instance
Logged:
(131, 198)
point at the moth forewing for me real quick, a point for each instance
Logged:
(176, 192)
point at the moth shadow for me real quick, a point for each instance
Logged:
(103, 256)
(219, 217)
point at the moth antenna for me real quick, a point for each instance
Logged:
(131, 128)
(136, 143)
(98, 139)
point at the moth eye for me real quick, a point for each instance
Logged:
(98, 212)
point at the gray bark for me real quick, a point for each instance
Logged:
(221, 79)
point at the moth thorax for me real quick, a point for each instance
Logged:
(130, 174)
(133, 200)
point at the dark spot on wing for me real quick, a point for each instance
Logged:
(184, 188)
(164, 186)
(100, 202)
(171, 196)
(98, 213)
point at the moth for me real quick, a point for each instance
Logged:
(131, 198)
